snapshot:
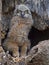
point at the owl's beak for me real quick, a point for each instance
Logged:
(22, 14)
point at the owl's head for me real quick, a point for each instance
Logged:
(22, 11)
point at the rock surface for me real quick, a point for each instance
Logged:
(38, 55)
(42, 57)
(39, 7)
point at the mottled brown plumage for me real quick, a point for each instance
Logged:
(18, 33)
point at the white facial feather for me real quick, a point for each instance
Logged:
(22, 8)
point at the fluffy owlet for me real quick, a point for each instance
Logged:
(18, 34)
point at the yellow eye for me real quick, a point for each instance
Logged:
(26, 12)
(18, 11)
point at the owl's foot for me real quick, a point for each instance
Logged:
(15, 55)
(17, 59)
(16, 52)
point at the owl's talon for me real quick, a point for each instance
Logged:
(17, 59)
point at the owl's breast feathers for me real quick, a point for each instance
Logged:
(22, 24)
(20, 28)
(21, 21)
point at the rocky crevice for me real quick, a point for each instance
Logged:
(39, 53)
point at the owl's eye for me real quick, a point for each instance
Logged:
(18, 11)
(26, 12)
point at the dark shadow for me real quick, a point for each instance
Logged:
(36, 36)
